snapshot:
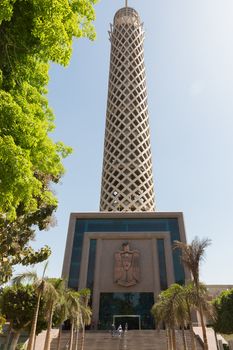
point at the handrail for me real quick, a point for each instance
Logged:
(201, 342)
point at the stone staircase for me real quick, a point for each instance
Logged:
(40, 339)
(132, 340)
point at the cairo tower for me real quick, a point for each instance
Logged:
(124, 253)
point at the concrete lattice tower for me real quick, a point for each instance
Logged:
(127, 180)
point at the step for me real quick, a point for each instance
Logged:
(132, 340)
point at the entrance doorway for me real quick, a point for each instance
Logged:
(132, 321)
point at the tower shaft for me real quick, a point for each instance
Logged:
(127, 180)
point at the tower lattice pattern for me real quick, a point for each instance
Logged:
(127, 181)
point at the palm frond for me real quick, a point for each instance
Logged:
(28, 276)
(45, 268)
(193, 254)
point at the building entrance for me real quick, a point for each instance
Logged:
(135, 306)
(132, 321)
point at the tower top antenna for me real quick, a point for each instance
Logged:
(126, 3)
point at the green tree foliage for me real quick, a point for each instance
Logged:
(32, 34)
(18, 303)
(223, 305)
(2, 322)
(41, 286)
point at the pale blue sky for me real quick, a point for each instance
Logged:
(189, 64)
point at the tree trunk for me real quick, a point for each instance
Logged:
(184, 339)
(49, 327)
(173, 339)
(170, 338)
(8, 337)
(71, 336)
(83, 336)
(192, 335)
(15, 340)
(83, 323)
(203, 329)
(76, 339)
(34, 346)
(59, 337)
(32, 337)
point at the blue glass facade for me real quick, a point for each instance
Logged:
(123, 225)
(91, 264)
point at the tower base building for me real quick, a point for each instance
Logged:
(125, 259)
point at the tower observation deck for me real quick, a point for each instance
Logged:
(127, 179)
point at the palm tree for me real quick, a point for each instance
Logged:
(174, 307)
(158, 313)
(181, 315)
(53, 291)
(61, 311)
(40, 284)
(77, 326)
(166, 309)
(74, 313)
(79, 314)
(192, 255)
(86, 312)
(190, 300)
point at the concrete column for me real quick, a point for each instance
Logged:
(69, 246)
(96, 289)
(84, 262)
(169, 260)
(157, 287)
